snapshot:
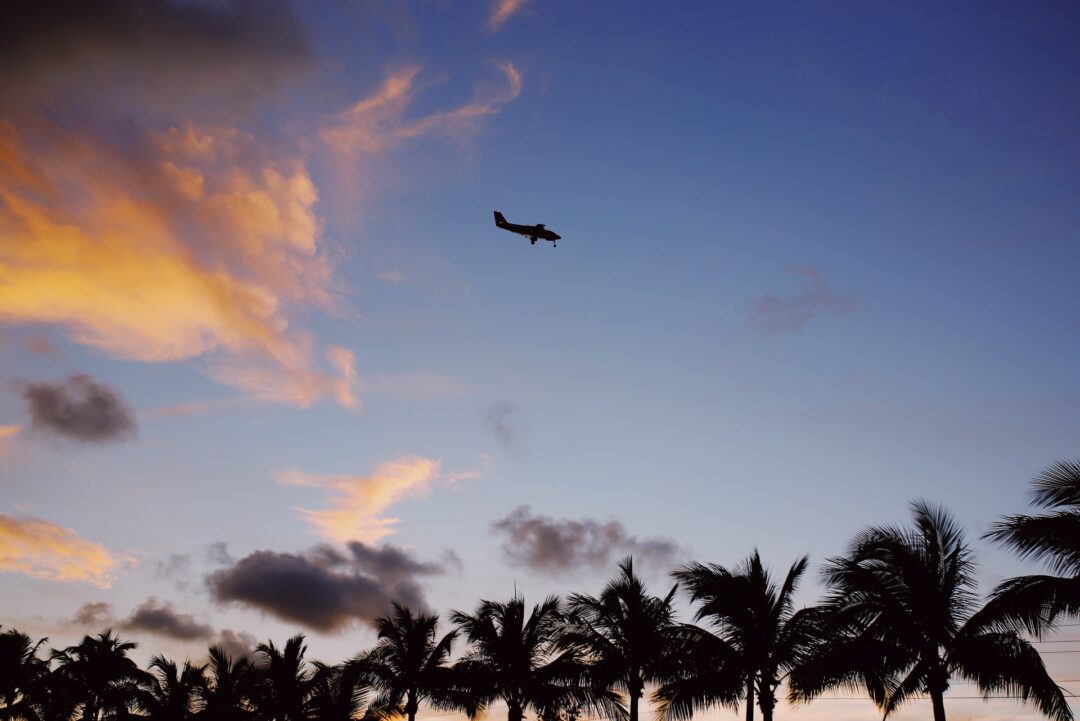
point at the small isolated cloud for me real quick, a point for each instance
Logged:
(378, 123)
(359, 503)
(96, 615)
(788, 314)
(502, 11)
(503, 420)
(79, 409)
(392, 276)
(556, 546)
(325, 589)
(238, 644)
(44, 550)
(162, 619)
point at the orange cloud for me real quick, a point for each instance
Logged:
(194, 244)
(378, 123)
(9, 431)
(502, 11)
(44, 550)
(360, 502)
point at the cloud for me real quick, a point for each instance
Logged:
(377, 123)
(160, 618)
(9, 431)
(502, 11)
(157, 53)
(503, 421)
(44, 550)
(79, 409)
(789, 314)
(358, 503)
(557, 546)
(324, 589)
(191, 243)
(238, 644)
(96, 615)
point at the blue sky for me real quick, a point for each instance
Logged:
(818, 260)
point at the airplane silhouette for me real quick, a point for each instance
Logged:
(532, 232)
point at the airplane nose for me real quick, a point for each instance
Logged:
(557, 236)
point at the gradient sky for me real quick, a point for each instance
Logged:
(818, 260)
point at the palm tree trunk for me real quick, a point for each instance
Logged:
(750, 701)
(514, 712)
(634, 696)
(411, 706)
(939, 705)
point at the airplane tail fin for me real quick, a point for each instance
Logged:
(499, 219)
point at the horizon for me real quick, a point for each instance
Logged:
(257, 322)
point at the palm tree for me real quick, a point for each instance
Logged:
(408, 666)
(170, 693)
(903, 621)
(518, 659)
(337, 692)
(1054, 538)
(22, 673)
(229, 689)
(283, 681)
(624, 634)
(104, 681)
(757, 638)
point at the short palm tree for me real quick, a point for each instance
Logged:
(625, 635)
(903, 621)
(103, 680)
(283, 682)
(230, 687)
(22, 673)
(518, 660)
(1052, 537)
(408, 667)
(171, 693)
(756, 638)
(337, 692)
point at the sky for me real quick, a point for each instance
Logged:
(266, 363)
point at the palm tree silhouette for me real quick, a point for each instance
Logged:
(338, 693)
(229, 689)
(757, 638)
(284, 681)
(170, 693)
(103, 680)
(624, 634)
(408, 666)
(22, 674)
(1054, 538)
(519, 660)
(903, 621)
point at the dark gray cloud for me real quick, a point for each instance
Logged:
(555, 546)
(80, 409)
(98, 615)
(160, 618)
(150, 52)
(238, 644)
(325, 589)
(502, 419)
(788, 314)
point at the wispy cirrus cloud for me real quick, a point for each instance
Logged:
(789, 314)
(197, 244)
(379, 123)
(358, 504)
(502, 11)
(37, 548)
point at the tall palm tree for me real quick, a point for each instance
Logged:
(283, 681)
(171, 693)
(408, 666)
(1052, 537)
(22, 673)
(230, 687)
(625, 635)
(338, 692)
(103, 679)
(518, 659)
(757, 638)
(903, 620)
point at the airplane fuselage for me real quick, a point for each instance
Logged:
(532, 232)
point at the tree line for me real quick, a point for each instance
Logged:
(900, 620)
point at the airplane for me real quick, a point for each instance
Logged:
(532, 232)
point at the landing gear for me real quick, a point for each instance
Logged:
(532, 241)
